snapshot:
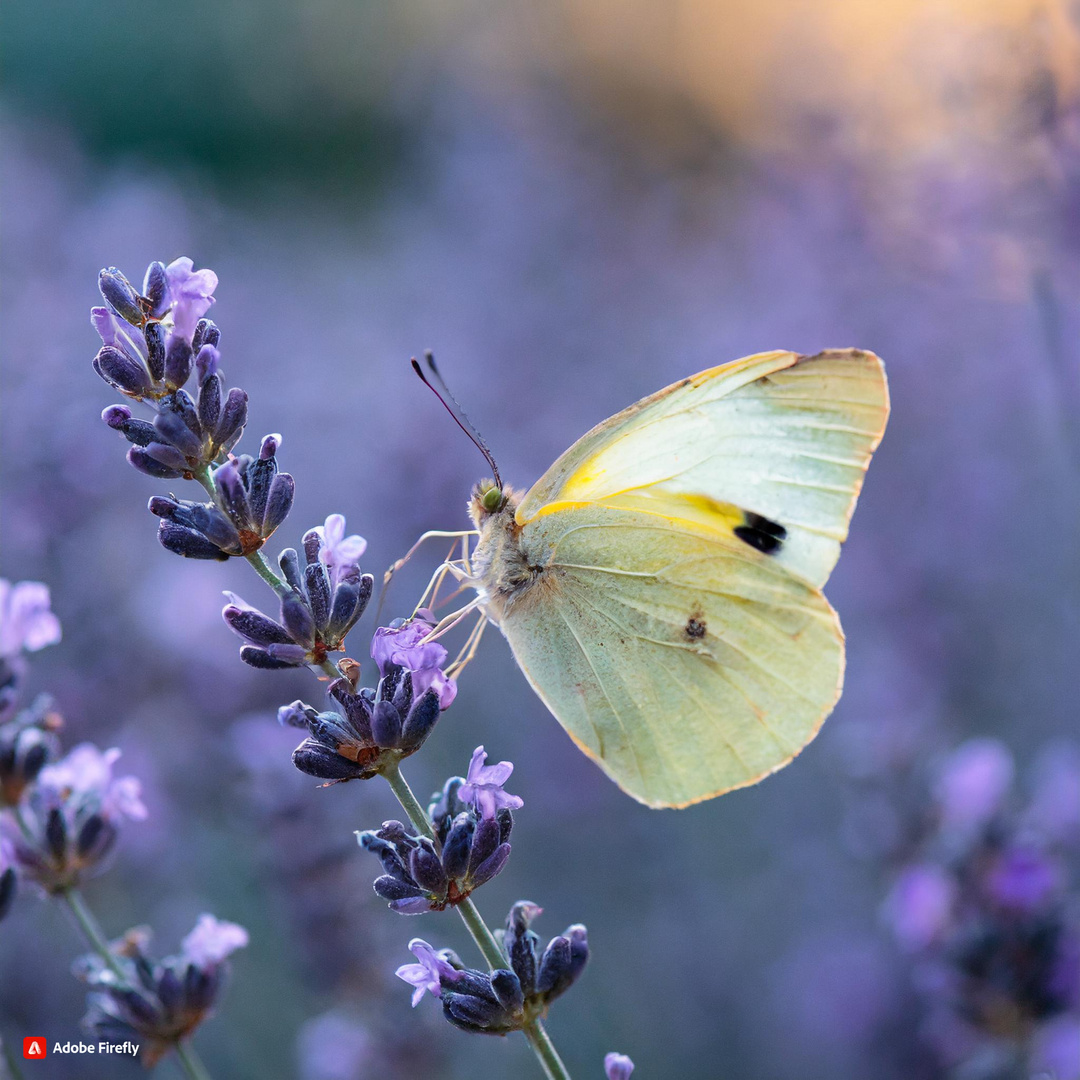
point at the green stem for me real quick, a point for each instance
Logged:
(409, 802)
(190, 1061)
(545, 1051)
(262, 567)
(485, 940)
(91, 930)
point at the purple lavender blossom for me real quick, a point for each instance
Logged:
(403, 644)
(483, 786)
(159, 1002)
(339, 553)
(26, 623)
(212, 940)
(429, 973)
(973, 783)
(192, 293)
(84, 775)
(920, 904)
(617, 1066)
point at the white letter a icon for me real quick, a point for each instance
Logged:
(34, 1049)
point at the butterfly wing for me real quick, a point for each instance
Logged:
(684, 662)
(680, 635)
(784, 437)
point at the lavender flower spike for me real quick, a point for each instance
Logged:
(429, 973)
(483, 786)
(339, 552)
(617, 1066)
(25, 619)
(192, 293)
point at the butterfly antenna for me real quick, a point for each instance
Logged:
(434, 381)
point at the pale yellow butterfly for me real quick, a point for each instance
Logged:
(660, 585)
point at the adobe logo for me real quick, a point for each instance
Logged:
(34, 1047)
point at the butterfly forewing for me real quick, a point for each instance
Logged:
(783, 437)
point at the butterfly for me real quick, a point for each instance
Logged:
(660, 585)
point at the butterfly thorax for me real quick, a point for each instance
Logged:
(501, 570)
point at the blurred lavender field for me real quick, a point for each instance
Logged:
(572, 210)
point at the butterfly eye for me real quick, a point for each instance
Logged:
(492, 499)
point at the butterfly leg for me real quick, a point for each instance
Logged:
(461, 534)
(468, 650)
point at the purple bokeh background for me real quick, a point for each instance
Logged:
(562, 261)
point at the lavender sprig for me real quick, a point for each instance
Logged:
(152, 342)
(60, 818)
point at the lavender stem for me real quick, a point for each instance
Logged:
(190, 1061)
(534, 1031)
(93, 933)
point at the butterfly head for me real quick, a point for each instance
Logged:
(489, 499)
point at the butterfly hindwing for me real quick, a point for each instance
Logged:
(686, 663)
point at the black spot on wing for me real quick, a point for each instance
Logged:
(761, 533)
(695, 628)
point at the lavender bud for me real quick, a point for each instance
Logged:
(269, 446)
(485, 841)
(458, 845)
(427, 870)
(120, 296)
(255, 626)
(289, 562)
(144, 462)
(156, 289)
(178, 361)
(318, 590)
(279, 502)
(122, 371)
(420, 720)
(209, 405)
(184, 541)
(207, 359)
(297, 618)
(233, 419)
(155, 350)
(392, 889)
(173, 428)
(507, 989)
(491, 866)
(168, 456)
(385, 724)
(312, 546)
(206, 333)
(258, 658)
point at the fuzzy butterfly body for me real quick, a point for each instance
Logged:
(660, 585)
